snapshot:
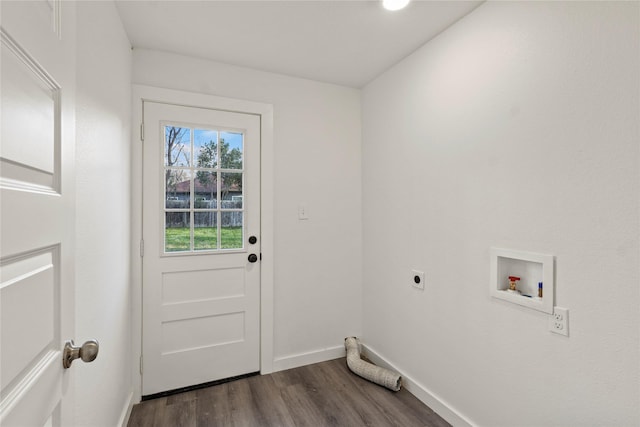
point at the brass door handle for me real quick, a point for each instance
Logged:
(87, 352)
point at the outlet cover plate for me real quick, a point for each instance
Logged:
(303, 212)
(559, 321)
(417, 279)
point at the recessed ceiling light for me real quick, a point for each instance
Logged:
(394, 4)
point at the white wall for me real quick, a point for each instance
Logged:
(518, 127)
(103, 207)
(317, 286)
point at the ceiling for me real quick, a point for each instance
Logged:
(343, 42)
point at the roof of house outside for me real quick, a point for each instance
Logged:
(209, 187)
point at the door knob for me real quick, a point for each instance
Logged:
(87, 352)
(253, 258)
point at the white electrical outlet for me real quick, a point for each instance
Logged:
(559, 321)
(417, 279)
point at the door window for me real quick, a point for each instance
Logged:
(203, 189)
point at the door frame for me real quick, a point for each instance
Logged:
(265, 112)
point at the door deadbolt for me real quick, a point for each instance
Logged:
(253, 240)
(87, 352)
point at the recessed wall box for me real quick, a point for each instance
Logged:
(531, 269)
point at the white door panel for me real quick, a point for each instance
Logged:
(201, 295)
(36, 211)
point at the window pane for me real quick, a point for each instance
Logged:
(205, 231)
(205, 186)
(205, 148)
(231, 190)
(231, 230)
(177, 234)
(177, 188)
(177, 146)
(231, 150)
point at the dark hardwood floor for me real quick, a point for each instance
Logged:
(324, 394)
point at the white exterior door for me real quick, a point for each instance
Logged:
(37, 211)
(201, 236)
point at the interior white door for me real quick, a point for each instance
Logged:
(37, 211)
(201, 237)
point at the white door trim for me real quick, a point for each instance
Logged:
(265, 111)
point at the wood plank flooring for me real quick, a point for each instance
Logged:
(323, 394)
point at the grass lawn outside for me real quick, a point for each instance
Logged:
(204, 238)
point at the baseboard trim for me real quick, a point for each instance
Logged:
(426, 396)
(308, 358)
(126, 411)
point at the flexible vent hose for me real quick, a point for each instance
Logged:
(366, 370)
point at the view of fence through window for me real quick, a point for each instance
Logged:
(203, 176)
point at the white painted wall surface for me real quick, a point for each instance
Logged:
(518, 127)
(317, 286)
(103, 214)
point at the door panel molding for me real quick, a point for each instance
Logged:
(33, 165)
(265, 112)
(29, 280)
(40, 383)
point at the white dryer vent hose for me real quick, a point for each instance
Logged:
(371, 372)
